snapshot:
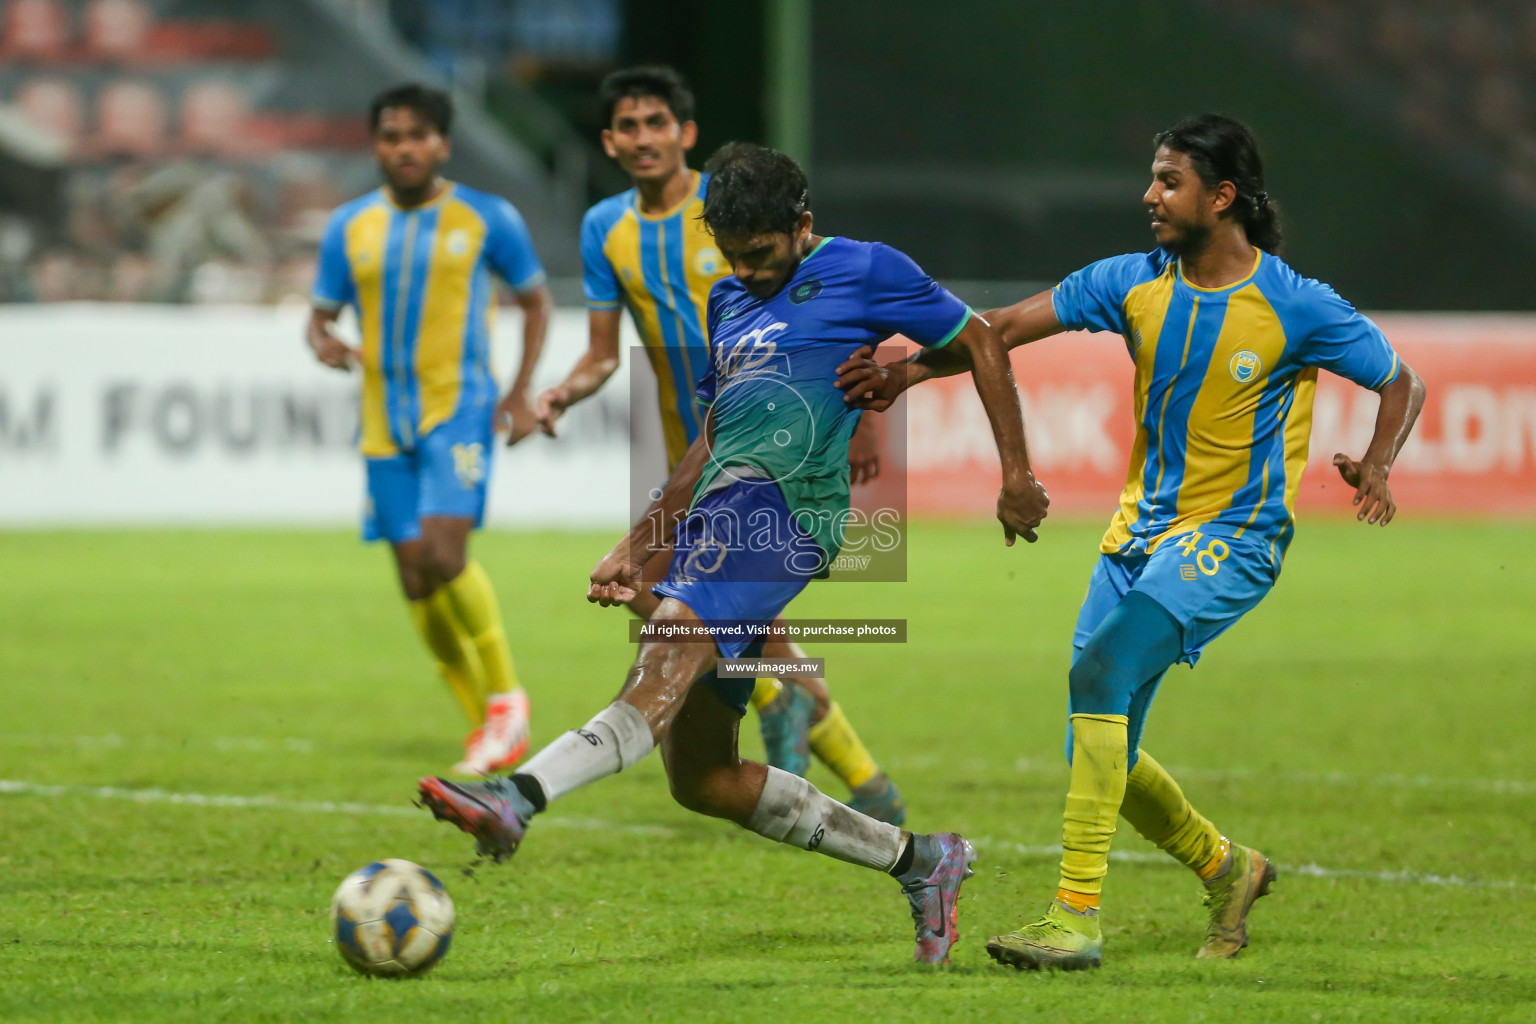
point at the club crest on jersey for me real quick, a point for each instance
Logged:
(707, 261)
(1245, 366)
(457, 242)
(804, 292)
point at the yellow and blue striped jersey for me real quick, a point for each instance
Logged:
(420, 281)
(1223, 395)
(662, 267)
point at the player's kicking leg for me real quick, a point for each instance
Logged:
(798, 718)
(697, 730)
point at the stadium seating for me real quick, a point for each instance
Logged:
(1459, 75)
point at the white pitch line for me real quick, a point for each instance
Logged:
(16, 787)
(271, 803)
(916, 762)
(1308, 870)
(114, 741)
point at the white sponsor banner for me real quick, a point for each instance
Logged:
(165, 415)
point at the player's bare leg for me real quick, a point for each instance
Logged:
(662, 703)
(707, 775)
(497, 812)
(798, 718)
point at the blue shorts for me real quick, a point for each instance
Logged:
(737, 560)
(445, 475)
(1205, 583)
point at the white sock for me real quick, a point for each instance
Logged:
(794, 812)
(616, 738)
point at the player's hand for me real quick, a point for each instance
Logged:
(1021, 509)
(1371, 491)
(550, 406)
(868, 385)
(335, 353)
(612, 580)
(864, 452)
(515, 416)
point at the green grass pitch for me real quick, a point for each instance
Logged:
(1369, 726)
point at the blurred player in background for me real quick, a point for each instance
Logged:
(781, 468)
(1227, 341)
(647, 249)
(415, 260)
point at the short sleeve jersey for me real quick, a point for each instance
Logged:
(770, 385)
(661, 268)
(420, 281)
(1225, 379)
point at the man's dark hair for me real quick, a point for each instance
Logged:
(1222, 149)
(648, 80)
(431, 105)
(753, 190)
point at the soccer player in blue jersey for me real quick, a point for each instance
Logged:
(415, 259)
(761, 497)
(647, 250)
(1227, 341)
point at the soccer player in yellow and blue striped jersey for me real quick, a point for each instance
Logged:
(647, 250)
(1227, 342)
(415, 259)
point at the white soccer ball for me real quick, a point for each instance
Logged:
(392, 919)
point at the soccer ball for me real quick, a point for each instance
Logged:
(392, 919)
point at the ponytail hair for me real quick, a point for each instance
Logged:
(1222, 149)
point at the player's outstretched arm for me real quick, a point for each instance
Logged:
(590, 373)
(871, 386)
(1401, 401)
(1022, 502)
(612, 580)
(514, 413)
(328, 348)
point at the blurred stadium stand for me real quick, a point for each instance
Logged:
(199, 146)
(204, 141)
(1459, 78)
(1011, 142)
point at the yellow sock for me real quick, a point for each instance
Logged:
(457, 661)
(837, 746)
(1093, 801)
(1156, 807)
(478, 617)
(766, 692)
